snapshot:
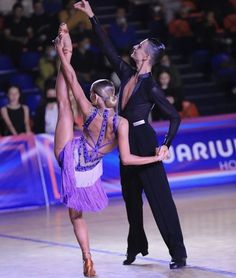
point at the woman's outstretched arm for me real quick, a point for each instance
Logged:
(70, 76)
(123, 143)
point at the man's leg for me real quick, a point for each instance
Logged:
(157, 190)
(132, 194)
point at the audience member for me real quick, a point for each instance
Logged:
(121, 32)
(47, 112)
(167, 65)
(83, 59)
(17, 32)
(15, 115)
(157, 25)
(40, 23)
(174, 95)
(181, 34)
(47, 66)
(207, 32)
(73, 17)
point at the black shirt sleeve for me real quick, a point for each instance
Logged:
(120, 67)
(157, 96)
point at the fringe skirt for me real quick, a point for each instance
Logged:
(80, 190)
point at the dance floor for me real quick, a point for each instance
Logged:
(40, 243)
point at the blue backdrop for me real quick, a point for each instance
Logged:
(202, 154)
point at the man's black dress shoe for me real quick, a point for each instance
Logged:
(131, 258)
(177, 263)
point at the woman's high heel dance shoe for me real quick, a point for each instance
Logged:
(88, 268)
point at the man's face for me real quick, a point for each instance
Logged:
(139, 52)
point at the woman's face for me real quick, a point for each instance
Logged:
(164, 79)
(14, 95)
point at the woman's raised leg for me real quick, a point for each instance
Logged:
(65, 121)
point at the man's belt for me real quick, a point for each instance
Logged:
(141, 122)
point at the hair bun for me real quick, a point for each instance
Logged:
(111, 101)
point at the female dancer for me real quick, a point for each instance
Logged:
(80, 158)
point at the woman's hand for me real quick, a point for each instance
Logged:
(162, 153)
(85, 7)
(58, 44)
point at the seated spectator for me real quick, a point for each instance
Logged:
(47, 66)
(157, 24)
(40, 23)
(73, 17)
(166, 65)
(230, 23)
(181, 33)
(83, 59)
(47, 112)
(17, 33)
(207, 32)
(14, 114)
(174, 95)
(121, 33)
(172, 92)
(81, 32)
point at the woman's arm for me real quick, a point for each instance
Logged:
(7, 121)
(72, 81)
(26, 118)
(123, 142)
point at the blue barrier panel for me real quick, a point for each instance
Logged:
(51, 172)
(202, 154)
(20, 180)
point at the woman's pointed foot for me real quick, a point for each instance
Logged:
(89, 271)
(64, 35)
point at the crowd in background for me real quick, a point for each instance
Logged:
(203, 32)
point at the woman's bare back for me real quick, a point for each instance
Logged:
(96, 127)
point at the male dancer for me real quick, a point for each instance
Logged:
(138, 92)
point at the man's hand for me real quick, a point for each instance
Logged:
(85, 7)
(162, 153)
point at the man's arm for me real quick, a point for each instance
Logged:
(157, 96)
(110, 52)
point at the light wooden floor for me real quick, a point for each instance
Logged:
(40, 243)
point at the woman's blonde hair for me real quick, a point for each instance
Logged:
(105, 89)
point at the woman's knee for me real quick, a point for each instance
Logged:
(75, 215)
(64, 104)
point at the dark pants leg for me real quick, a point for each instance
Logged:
(152, 179)
(157, 190)
(132, 194)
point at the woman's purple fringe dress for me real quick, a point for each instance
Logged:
(82, 169)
